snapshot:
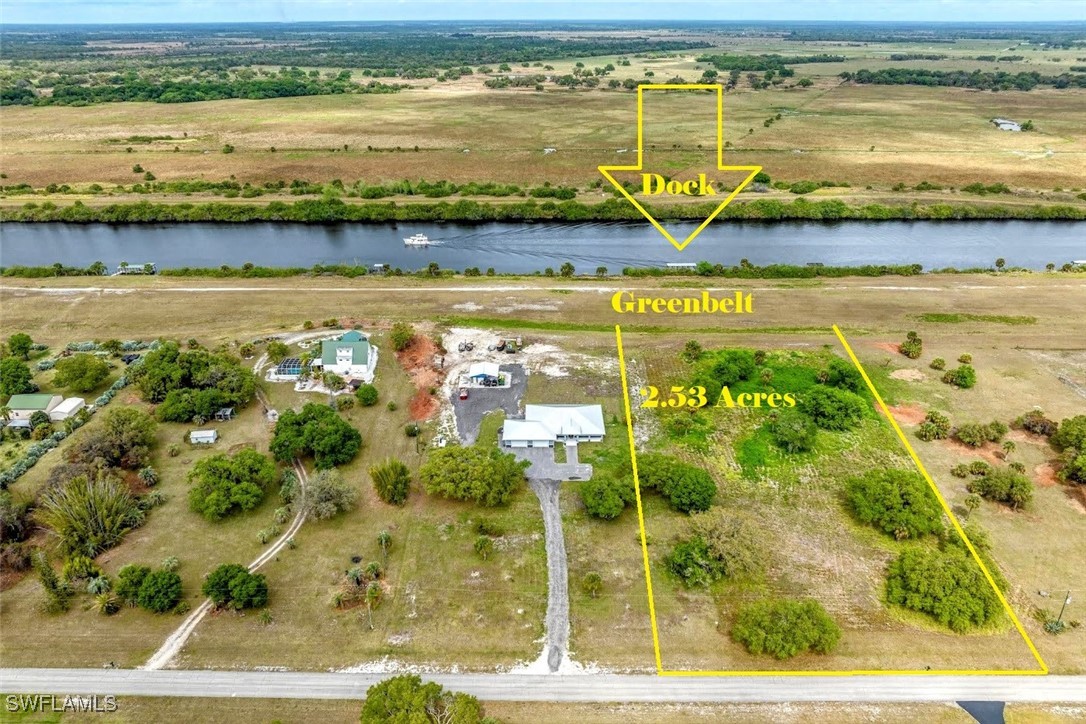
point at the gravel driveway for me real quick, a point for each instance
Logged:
(481, 400)
(557, 624)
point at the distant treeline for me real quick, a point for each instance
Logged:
(766, 61)
(918, 56)
(999, 80)
(127, 88)
(321, 211)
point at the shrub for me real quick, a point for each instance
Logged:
(897, 502)
(129, 580)
(786, 628)
(592, 584)
(367, 395)
(833, 409)
(961, 470)
(733, 540)
(327, 495)
(483, 546)
(1036, 422)
(964, 377)
(1071, 433)
(912, 347)
(170, 563)
(89, 517)
(232, 586)
(472, 473)
(160, 591)
(979, 467)
(733, 365)
(975, 434)
(405, 698)
(606, 497)
(344, 402)
(945, 584)
(938, 364)
(965, 359)
(223, 485)
(844, 375)
(1004, 486)
(78, 568)
(794, 431)
(691, 561)
(401, 336)
(688, 488)
(392, 481)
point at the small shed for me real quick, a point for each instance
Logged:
(481, 372)
(203, 437)
(69, 408)
(224, 414)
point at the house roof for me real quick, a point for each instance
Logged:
(40, 401)
(568, 419)
(526, 430)
(200, 434)
(359, 346)
(70, 405)
(484, 369)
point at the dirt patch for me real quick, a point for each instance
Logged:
(1027, 437)
(908, 414)
(1077, 496)
(893, 347)
(1045, 475)
(990, 451)
(421, 361)
(909, 375)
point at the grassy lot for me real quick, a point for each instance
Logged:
(864, 135)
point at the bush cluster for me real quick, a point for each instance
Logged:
(786, 628)
(936, 426)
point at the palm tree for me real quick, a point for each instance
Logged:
(373, 570)
(1008, 448)
(384, 539)
(373, 598)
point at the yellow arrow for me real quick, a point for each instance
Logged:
(752, 170)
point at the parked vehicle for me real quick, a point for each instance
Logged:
(463, 393)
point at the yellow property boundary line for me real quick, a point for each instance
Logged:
(752, 171)
(660, 670)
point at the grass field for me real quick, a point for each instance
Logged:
(863, 135)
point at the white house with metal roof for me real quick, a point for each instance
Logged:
(351, 356)
(69, 408)
(21, 407)
(545, 425)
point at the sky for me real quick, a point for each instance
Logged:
(180, 11)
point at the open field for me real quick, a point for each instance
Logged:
(1020, 364)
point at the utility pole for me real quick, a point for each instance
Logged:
(1066, 600)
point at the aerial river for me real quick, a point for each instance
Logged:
(531, 247)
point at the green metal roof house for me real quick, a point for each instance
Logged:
(23, 406)
(349, 356)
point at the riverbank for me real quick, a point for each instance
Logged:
(325, 211)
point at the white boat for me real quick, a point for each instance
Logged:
(418, 240)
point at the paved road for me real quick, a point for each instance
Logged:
(513, 687)
(557, 624)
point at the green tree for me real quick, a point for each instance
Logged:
(401, 336)
(15, 377)
(786, 628)
(318, 431)
(897, 502)
(606, 497)
(472, 473)
(223, 485)
(160, 591)
(566, 270)
(231, 585)
(691, 561)
(832, 408)
(947, 585)
(405, 699)
(963, 376)
(1071, 433)
(81, 372)
(384, 539)
(327, 495)
(794, 431)
(57, 593)
(129, 580)
(392, 481)
(19, 345)
(733, 540)
(277, 351)
(367, 395)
